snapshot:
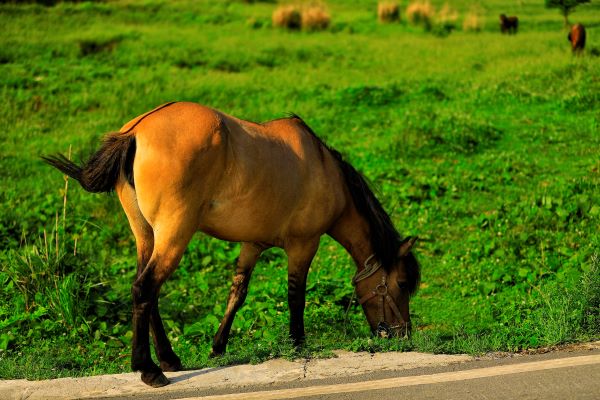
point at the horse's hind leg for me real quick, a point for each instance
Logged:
(170, 242)
(249, 254)
(144, 238)
(300, 255)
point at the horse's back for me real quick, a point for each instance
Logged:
(234, 179)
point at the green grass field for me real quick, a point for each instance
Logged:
(484, 145)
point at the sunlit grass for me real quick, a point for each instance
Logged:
(483, 145)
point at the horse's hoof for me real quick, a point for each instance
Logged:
(171, 366)
(216, 353)
(298, 342)
(155, 379)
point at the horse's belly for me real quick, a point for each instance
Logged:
(268, 224)
(236, 226)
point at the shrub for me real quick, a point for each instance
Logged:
(315, 18)
(472, 22)
(287, 16)
(421, 13)
(447, 17)
(96, 46)
(388, 12)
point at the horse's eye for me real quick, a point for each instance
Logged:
(403, 285)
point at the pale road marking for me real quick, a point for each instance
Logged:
(408, 380)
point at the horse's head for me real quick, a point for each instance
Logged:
(503, 17)
(385, 293)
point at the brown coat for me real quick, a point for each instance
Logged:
(577, 38)
(183, 168)
(509, 24)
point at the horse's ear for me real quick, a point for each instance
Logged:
(406, 245)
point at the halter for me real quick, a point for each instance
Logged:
(380, 290)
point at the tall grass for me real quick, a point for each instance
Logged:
(50, 275)
(565, 315)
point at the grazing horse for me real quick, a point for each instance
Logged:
(183, 167)
(509, 25)
(577, 38)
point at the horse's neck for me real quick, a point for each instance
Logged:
(352, 232)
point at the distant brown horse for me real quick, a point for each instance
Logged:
(577, 38)
(182, 168)
(509, 24)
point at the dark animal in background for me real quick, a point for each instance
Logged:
(509, 24)
(577, 38)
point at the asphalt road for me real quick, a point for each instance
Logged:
(558, 375)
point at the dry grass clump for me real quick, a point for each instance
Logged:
(388, 12)
(287, 16)
(311, 17)
(447, 16)
(421, 13)
(473, 21)
(315, 18)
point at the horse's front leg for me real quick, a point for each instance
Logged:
(249, 254)
(300, 255)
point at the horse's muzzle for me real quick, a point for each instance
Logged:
(402, 330)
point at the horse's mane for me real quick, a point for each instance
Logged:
(385, 239)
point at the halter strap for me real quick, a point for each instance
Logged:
(380, 290)
(368, 270)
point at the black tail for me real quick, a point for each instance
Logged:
(101, 172)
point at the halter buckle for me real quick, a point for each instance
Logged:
(381, 289)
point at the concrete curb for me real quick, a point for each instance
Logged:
(271, 372)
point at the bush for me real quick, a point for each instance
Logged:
(287, 16)
(590, 294)
(311, 17)
(388, 12)
(472, 22)
(421, 13)
(447, 17)
(315, 18)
